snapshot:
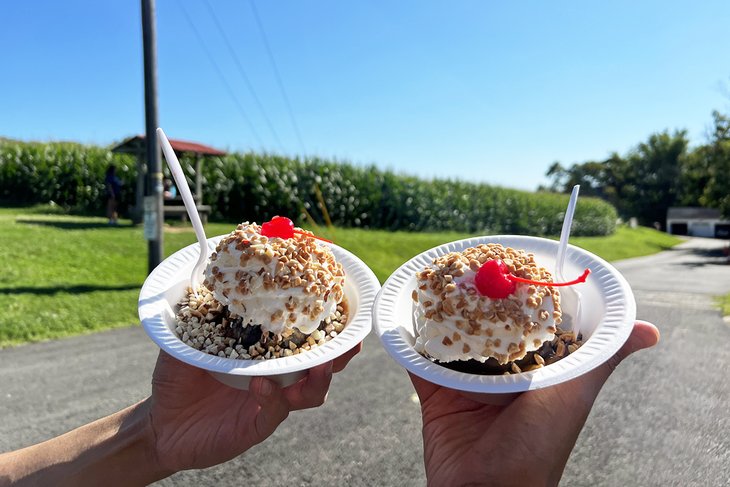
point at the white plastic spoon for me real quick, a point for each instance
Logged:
(560, 259)
(187, 197)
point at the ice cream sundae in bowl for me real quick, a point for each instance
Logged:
(273, 300)
(485, 315)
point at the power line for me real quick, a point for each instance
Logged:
(222, 77)
(277, 76)
(242, 72)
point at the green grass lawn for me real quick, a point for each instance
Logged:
(723, 302)
(65, 275)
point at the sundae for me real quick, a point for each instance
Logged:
(490, 309)
(270, 291)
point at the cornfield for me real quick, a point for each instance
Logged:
(256, 187)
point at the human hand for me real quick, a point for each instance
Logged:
(526, 442)
(199, 422)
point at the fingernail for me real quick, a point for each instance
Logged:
(266, 388)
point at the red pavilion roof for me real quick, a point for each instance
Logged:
(136, 144)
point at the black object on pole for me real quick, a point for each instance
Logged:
(153, 189)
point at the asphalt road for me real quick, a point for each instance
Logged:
(662, 418)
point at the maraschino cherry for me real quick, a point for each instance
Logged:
(283, 227)
(279, 226)
(494, 280)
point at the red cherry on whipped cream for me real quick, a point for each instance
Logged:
(283, 227)
(494, 280)
(279, 226)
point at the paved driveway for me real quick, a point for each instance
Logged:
(662, 419)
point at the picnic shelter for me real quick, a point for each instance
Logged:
(174, 207)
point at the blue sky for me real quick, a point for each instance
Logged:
(477, 90)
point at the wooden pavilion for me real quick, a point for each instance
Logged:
(136, 145)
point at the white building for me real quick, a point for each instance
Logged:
(697, 222)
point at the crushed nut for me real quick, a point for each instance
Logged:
(219, 333)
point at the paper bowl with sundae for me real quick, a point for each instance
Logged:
(485, 315)
(275, 300)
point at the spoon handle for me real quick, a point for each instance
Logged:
(187, 197)
(565, 233)
(570, 294)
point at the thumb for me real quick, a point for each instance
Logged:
(424, 388)
(584, 389)
(274, 407)
(644, 335)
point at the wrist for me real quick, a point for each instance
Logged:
(125, 452)
(145, 440)
(119, 449)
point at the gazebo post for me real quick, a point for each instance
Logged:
(198, 179)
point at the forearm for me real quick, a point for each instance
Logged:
(116, 450)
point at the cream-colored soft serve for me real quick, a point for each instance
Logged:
(455, 322)
(273, 282)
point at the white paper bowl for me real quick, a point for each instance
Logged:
(608, 311)
(166, 285)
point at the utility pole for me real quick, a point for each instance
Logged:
(153, 216)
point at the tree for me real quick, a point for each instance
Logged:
(715, 160)
(656, 166)
(643, 184)
(590, 176)
(695, 177)
(620, 184)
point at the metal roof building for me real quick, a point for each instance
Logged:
(697, 222)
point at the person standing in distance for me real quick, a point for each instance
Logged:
(113, 191)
